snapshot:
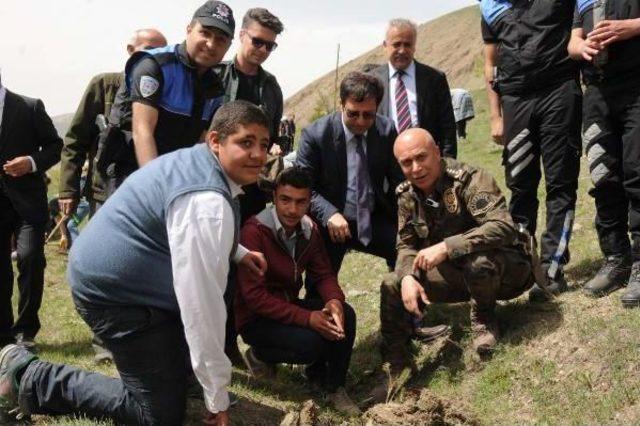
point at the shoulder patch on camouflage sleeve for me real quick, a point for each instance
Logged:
(482, 202)
(403, 187)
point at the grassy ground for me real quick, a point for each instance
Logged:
(573, 361)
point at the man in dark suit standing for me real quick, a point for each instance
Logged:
(349, 154)
(29, 145)
(415, 94)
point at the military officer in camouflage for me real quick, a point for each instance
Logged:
(456, 242)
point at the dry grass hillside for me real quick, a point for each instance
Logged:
(451, 43)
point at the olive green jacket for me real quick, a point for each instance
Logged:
(467, 211)
(81, 141)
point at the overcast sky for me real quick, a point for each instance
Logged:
(51, 48)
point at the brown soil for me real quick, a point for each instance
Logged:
(418, 408)
(306, 416)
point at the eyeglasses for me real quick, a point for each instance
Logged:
(367, 115)
(258, 43)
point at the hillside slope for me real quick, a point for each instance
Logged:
(439, 44)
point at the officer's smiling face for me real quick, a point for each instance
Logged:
(399, 47)
(419, 158)
(206, 46)
(243, 153)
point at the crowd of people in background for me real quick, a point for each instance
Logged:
(209, 213)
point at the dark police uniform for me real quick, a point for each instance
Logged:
(165, 79)
(541, 102)
(611, 139)
(486, 259)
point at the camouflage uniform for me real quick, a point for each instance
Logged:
(486, 260)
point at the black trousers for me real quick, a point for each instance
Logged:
(31, 263)
(611, 117)
(275, 342)
(544, 126)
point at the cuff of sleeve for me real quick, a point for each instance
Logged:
(218, 402)
(302, 317)
(457, 246)
(241, 252)
(34, 168)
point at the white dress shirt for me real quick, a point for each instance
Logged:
(409, 80)
(200, 230)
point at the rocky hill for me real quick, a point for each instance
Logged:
(451, 43)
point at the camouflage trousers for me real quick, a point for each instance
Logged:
(482, 278)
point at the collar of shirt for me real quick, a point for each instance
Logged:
(3, 94)
(234, 188)
(410, 71)
(348, 135)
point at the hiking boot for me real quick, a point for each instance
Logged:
(429, 334)
(631, 296)
(259, 369)
(14, 360)
(341, 402)
(612, 275)
(555, 286)
(485, 331)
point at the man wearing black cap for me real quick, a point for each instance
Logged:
(171, 93)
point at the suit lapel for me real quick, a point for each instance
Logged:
(340, 148)
(421, 92)
(384, 104)
(8, 115)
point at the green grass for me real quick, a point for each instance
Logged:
(573, 361)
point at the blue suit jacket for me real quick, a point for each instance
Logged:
(322, 151)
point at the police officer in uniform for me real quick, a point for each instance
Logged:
(456, 242)
(171, 93)
(535, 103)
(606, 39)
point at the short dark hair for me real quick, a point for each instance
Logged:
(294, 176)
(237, 113)
(263, 17)
(360, 86)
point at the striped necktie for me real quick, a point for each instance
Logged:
(403, 115)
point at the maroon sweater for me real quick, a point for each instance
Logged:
(270, 296)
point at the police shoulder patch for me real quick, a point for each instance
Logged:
(450, 200)
(481, 202)
(148, 85)
(403, 187)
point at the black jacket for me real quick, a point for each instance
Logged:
(28, 130)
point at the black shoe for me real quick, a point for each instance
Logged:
(555, 286)
(13, 360)
(631, 297)
(428, 334)
(613, 274)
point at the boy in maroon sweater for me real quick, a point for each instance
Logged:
(278, 326)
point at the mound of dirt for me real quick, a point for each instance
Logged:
(418, 408)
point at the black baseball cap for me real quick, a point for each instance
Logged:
(218, 15)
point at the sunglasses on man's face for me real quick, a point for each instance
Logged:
(258, 43)
(367, 115)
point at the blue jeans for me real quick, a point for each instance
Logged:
(152, 358)
(74, 222)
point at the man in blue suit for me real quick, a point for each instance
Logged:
(350, 156)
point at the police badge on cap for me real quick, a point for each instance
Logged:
(218, 15)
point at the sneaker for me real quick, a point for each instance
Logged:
(13, 360)
(102, 354)
(259, 369)
(341, 402)
(555, 286)
(26, 342)
(612, 275)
